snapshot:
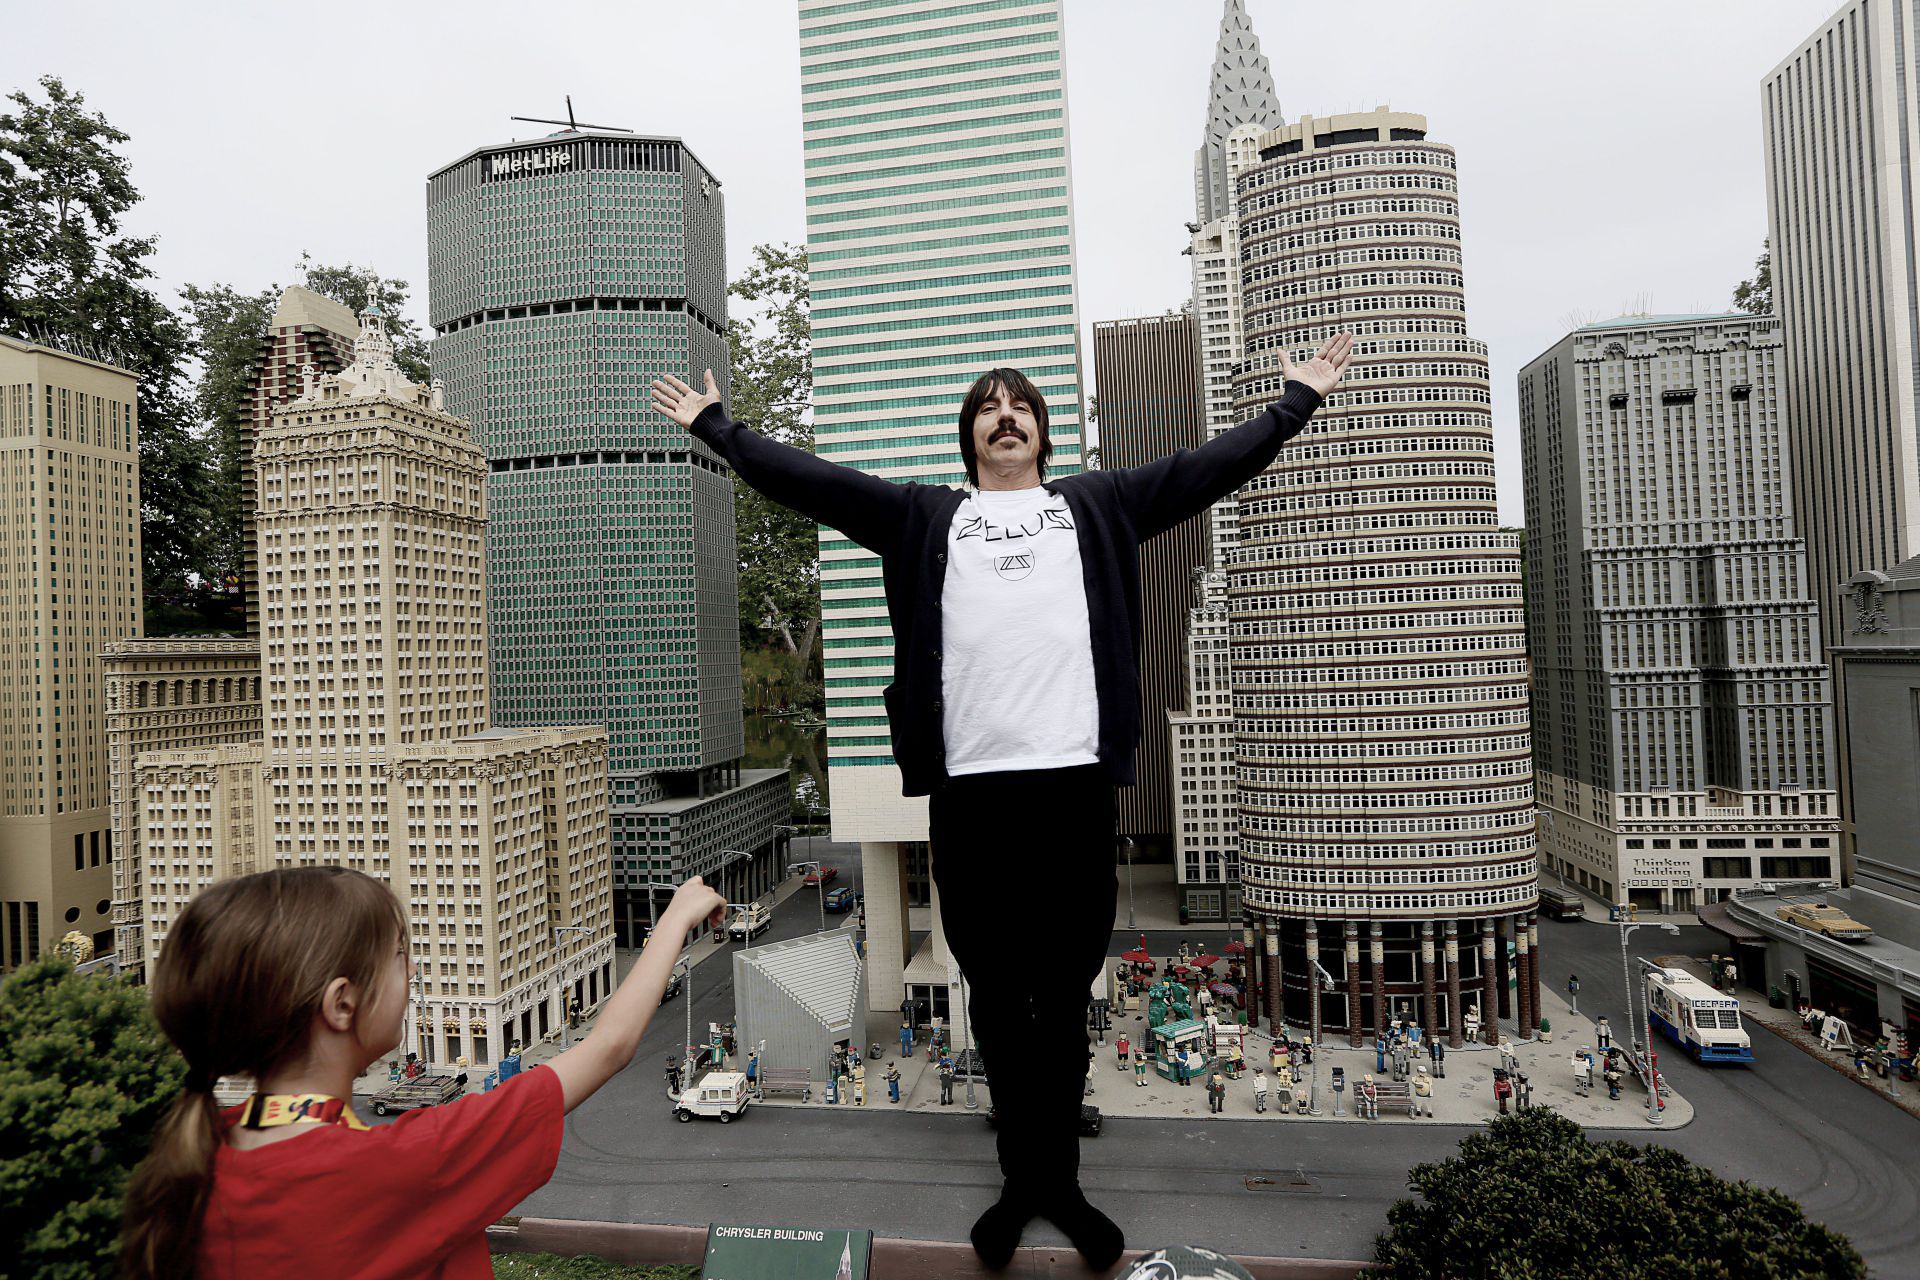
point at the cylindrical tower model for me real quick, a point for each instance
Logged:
(1378, 647)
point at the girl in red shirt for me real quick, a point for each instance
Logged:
(299, 979)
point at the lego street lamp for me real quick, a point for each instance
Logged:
(1646, 1024)
(820, 882)
(730, 857)
(794, 831)
(560, 982)
(1313, 1083)
(420, 1017)
(973, 1046)
(1128, 841)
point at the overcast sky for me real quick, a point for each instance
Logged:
(1610, 155)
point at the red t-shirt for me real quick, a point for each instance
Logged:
(409, 1199)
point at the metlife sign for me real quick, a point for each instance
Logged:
(514, 164)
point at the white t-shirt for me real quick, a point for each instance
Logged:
(1017, 687)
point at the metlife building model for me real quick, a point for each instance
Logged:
(565, 274)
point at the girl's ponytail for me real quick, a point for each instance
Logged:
(236, 988)
(168, 1195)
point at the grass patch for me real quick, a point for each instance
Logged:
(550, 1266)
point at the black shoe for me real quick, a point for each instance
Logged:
(996, 1233)
(1097, 1237)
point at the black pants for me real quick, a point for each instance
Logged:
(1024, 863)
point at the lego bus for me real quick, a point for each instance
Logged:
(1702, 1021)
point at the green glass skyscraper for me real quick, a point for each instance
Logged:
(564, 275)
(940, 245)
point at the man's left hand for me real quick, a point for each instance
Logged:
(1322, 373)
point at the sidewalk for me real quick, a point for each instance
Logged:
(1785, 1024)
(1156, 903)
(1464, 1096)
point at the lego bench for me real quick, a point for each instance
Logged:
(1395, 1093)
(787, 1080)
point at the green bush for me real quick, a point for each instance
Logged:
(85, 1075)
(1531, 1197)
(547, 1266)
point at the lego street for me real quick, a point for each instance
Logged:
(1261, 1182)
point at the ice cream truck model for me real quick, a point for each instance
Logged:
(1696, 1017)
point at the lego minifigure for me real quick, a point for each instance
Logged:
(1139, 1069)
(1216, 1092)
(1366, 1099)
(1422, 1092)
(1582, 1071)
(1259, 1090)
(946, 1082)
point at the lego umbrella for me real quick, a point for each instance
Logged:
(1235, 948)
(1224, 989)
(1136, 956)
(1206, 961)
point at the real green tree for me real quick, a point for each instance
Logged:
(228, 328)
(1755, 294)
(771, 384)
(1531, 1197)
(85, 1075)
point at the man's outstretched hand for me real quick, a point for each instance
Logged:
(681, 402)
(1322, 373)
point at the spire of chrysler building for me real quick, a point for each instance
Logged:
(1242, 93)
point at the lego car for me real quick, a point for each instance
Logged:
(1830, 922)
(421, 1091)
(839, 900)
(720, 1094)
(750, 922)
(821, 875)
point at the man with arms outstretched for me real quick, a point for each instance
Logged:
(1015, 708)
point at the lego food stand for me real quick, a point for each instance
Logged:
(1169, 1038)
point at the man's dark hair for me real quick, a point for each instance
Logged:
(1019, 388)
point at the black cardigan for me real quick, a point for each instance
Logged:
(907, 524)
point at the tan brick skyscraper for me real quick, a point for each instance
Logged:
(307, 329)
(69, 583)
(371, 518)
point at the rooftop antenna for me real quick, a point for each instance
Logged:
(573, 126)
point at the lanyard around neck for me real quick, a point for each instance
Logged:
(270, 1110)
